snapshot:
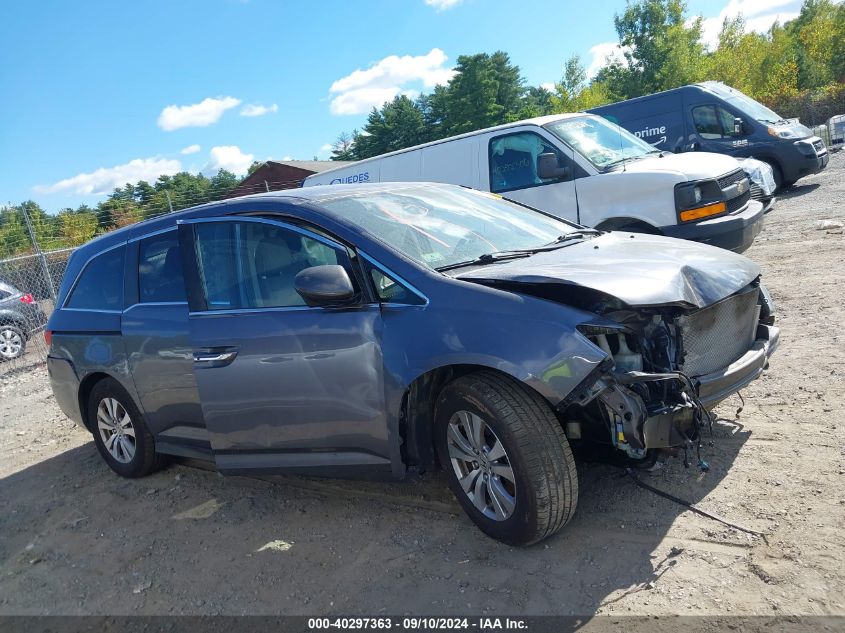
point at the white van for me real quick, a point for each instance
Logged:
(583, 168)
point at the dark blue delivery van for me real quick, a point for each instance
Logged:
(713, 117)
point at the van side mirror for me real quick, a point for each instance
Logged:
(739, 126)
(327, 285)
(548, 167)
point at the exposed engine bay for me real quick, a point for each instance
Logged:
(647, 399)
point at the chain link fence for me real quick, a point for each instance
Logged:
(34, 251)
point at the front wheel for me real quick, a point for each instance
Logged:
(506, 457)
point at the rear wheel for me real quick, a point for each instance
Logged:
(506, 457)
(120, 433)
(12, 342)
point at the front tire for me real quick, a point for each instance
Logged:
(120, 433)
(507, 459)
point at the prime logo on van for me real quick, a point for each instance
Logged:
(348, 180)
(650, 131)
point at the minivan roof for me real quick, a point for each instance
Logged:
(313, 194)
(538, 121)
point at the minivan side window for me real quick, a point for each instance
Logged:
(245, 265)
(513, 161)
(712, 122)
(388, 290)
(100, 287)
(160, 269)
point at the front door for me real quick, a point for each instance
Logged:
(282, 385)
(714, 125)
(512, 161)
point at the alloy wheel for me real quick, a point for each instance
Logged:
(11, 343)
(481, 465)
(116, 430)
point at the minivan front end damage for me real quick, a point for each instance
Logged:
(666, 368)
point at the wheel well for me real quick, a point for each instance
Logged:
(85, 389)
(416, 424)
(631, 224)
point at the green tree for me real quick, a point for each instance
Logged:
(661, 50)
(344, 146)
(396, 125)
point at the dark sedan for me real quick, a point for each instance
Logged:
(20, 317)
(394, 328)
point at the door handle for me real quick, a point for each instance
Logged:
(222, 357)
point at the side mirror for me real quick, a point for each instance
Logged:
(327, 285)
(739, 126)
(693, 147)
(549, 169)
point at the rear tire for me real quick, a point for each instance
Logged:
(507, 459)
(12, 342)
(120, 432)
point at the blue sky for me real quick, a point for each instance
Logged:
(94, 94)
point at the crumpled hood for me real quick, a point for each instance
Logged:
(690, 165)
(643, 270)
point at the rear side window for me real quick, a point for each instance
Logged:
(160, 269)
(101, 285)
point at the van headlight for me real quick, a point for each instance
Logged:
(783, 132)
(697, 200)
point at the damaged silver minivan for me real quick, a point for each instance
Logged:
(393, 328)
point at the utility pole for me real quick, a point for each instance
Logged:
(45, 269)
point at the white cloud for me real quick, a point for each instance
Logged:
(105, 179)
(256, 109)
(549, 85)
(200, 114)
(327, 147)
(191, 149)
(600, 53)
(228, 157)
(759, 16)
(361, 90)
(443, 5)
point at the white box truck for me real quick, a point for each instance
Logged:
(583, 168)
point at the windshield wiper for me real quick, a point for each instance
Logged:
(490, 258)
(576, 234)
(487, 258)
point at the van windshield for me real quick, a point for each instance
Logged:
(599, 141)
(753, 109)
(442, 225)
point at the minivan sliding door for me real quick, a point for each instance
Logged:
(282, 385)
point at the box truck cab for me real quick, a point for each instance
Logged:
(583, 168)
(713, 117)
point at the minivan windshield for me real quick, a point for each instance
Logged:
(599, 141)
(443, 225)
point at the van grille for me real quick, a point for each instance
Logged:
(735, 204)
(729, 179)
(718, 335)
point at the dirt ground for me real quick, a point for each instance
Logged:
(76, 539)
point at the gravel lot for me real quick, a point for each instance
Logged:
(76, 539)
